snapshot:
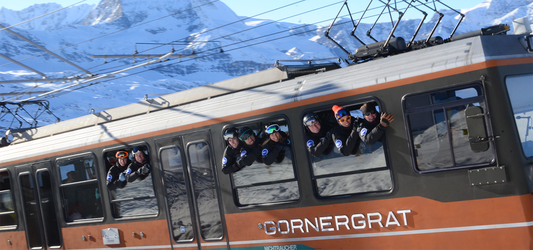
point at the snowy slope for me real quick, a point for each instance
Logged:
(124, 27)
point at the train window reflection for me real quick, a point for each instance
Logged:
(205, 193)
(177, 194)
(335, 174)
(8, 217)
(522, 109)
(80, 195)
(267, 180)
(129, 182)
(439, 134)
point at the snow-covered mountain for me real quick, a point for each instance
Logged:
(201, 28)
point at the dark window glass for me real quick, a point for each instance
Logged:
(137, 196)
(51, 229)
(519, 88)
(439, 135)
(177, 194)
(336, 174)
(263, 184)
(204, 188)
(8, 217)
(31, 210)
(81, 197)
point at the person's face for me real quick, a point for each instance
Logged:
(275, 136)
(370, 117)
(250, 141)
(139, 157)
(233, 142)
(345, 121)
(122, 161)
(315, 127)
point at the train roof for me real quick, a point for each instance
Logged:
(264, 89)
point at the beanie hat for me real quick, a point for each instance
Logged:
(336, 108)
(367, 108)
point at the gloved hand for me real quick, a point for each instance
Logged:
(386, 119)
(144, 169)
(122, 177)
(128, 171)
(109, 177)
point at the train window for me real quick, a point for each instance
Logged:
(265, 182)
(204, 189)
(365, 170)
(129, 182)
(439, 134)
(8, 218)
(522, 105)
(81, 197)
(177, 194)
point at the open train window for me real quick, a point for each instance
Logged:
(364, 170)
(441, 135)
(129, 181)
(275, 181)
(8, 218)
(80, 195)
(522, 105)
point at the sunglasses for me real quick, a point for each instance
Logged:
(122, 154)
(272, 128)
(246, 134)
(310, 122)
(370, 113)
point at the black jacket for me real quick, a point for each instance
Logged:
(135, 174)
(275, 151)
(114, 172)
(230, 162)
(251, 153)
(370, 132)
(319, 143)
(346, 139)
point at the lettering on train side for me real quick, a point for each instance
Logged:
(337, 223)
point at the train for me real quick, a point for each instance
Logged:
(454, 170)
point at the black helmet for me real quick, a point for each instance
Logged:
(231, 133)
(309, 118)
(245, 133)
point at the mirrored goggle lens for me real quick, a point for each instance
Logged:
(310, 121)
(228, 135)
(341, 113)
(272, 128)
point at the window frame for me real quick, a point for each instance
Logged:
(56, 169)
(530, 121)
(13, 201)
(314, 178)
(262, 121)
(481, 98)
(154, 188)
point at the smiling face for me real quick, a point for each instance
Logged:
(315, 127)
(122, 161)
(275, 136)
(233, 142)
(345, 121)
(370, 117)
(250, 141)
(139, 157)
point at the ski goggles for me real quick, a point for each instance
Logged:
(121, 154)
(342, 115)
(136, 150)
(246, 134)
(310, 121)
(272, 128)
(230, 134)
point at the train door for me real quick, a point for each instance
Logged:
(38, 204)
(192, 197)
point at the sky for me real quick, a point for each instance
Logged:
(254, 7)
